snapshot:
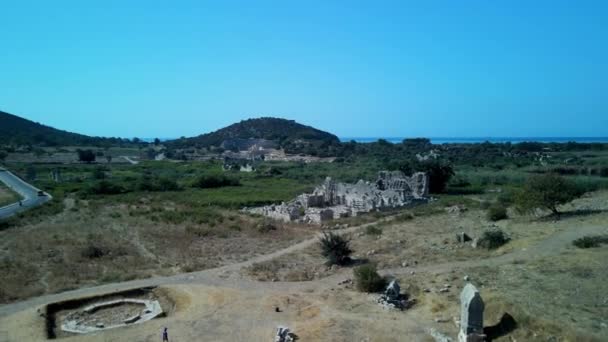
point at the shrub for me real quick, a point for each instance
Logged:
(590, 241)
(335, 248)
(266, 226)
(492, 239)
(547, 191)
(604, 172)
(496, 212)
(373, 230)
(404, 217)
(105, 187)
(86, 156)
(215, 181)
(367, 279)
(93, 252)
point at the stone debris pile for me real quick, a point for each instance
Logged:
(393, 299)
(284, 335)
(333, 200)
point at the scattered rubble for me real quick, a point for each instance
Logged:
(393, 299)
(284, 335)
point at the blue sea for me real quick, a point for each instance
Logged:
(477, 140)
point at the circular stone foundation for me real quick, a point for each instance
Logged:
(111, 314)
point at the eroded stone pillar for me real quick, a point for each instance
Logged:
(471, 315)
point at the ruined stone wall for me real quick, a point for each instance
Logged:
(332, 200)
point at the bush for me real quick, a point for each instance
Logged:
(215, 181)
(157, 184)
(105, 187)
(548, 192)
(86, 156)
(93, 252)
(373, 230)
(492, 239)
(335, 248)
(590, 241)
(496, 212)
(266, 226)
(604, 172)
(367, 279)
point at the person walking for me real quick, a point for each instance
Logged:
(165, 335)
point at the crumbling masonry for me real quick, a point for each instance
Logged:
(334, 200)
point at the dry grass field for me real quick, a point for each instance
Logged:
(7, 196)
(88, 244)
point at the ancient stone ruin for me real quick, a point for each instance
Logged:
(333, 200)
(471, 315)
(111, 314)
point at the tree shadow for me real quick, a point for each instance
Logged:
(571, 214)
(506, 325)
(356, 262)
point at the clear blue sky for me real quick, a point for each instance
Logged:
(355, 68)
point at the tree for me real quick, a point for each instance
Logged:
(547, 191)
(335, 248)
(86, 156)
(156, 141)
(439, 172)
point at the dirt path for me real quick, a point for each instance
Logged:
(229, 276)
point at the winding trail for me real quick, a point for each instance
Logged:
(229, 276)
(32, 196)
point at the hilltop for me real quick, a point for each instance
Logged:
(288, 134)
(15, 130)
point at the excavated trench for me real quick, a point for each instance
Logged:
(108, 311)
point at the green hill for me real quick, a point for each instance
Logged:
(15, 130)
(288, 134)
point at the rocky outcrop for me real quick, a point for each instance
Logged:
(332, 200)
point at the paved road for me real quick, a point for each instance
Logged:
(28, 192)
(131, 161)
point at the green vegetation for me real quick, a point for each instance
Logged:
(373, 230)
(335, 248)
(496, 212)
(215, 181)
(288, 134)
(86, 156)
(492, 239)
(16, 131)
(547, 191)
(367, 279)
(591, 241)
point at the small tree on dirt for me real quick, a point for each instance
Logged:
(367, 279)
(335, 248)
(548, 192)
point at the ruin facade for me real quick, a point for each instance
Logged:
(332, 200)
